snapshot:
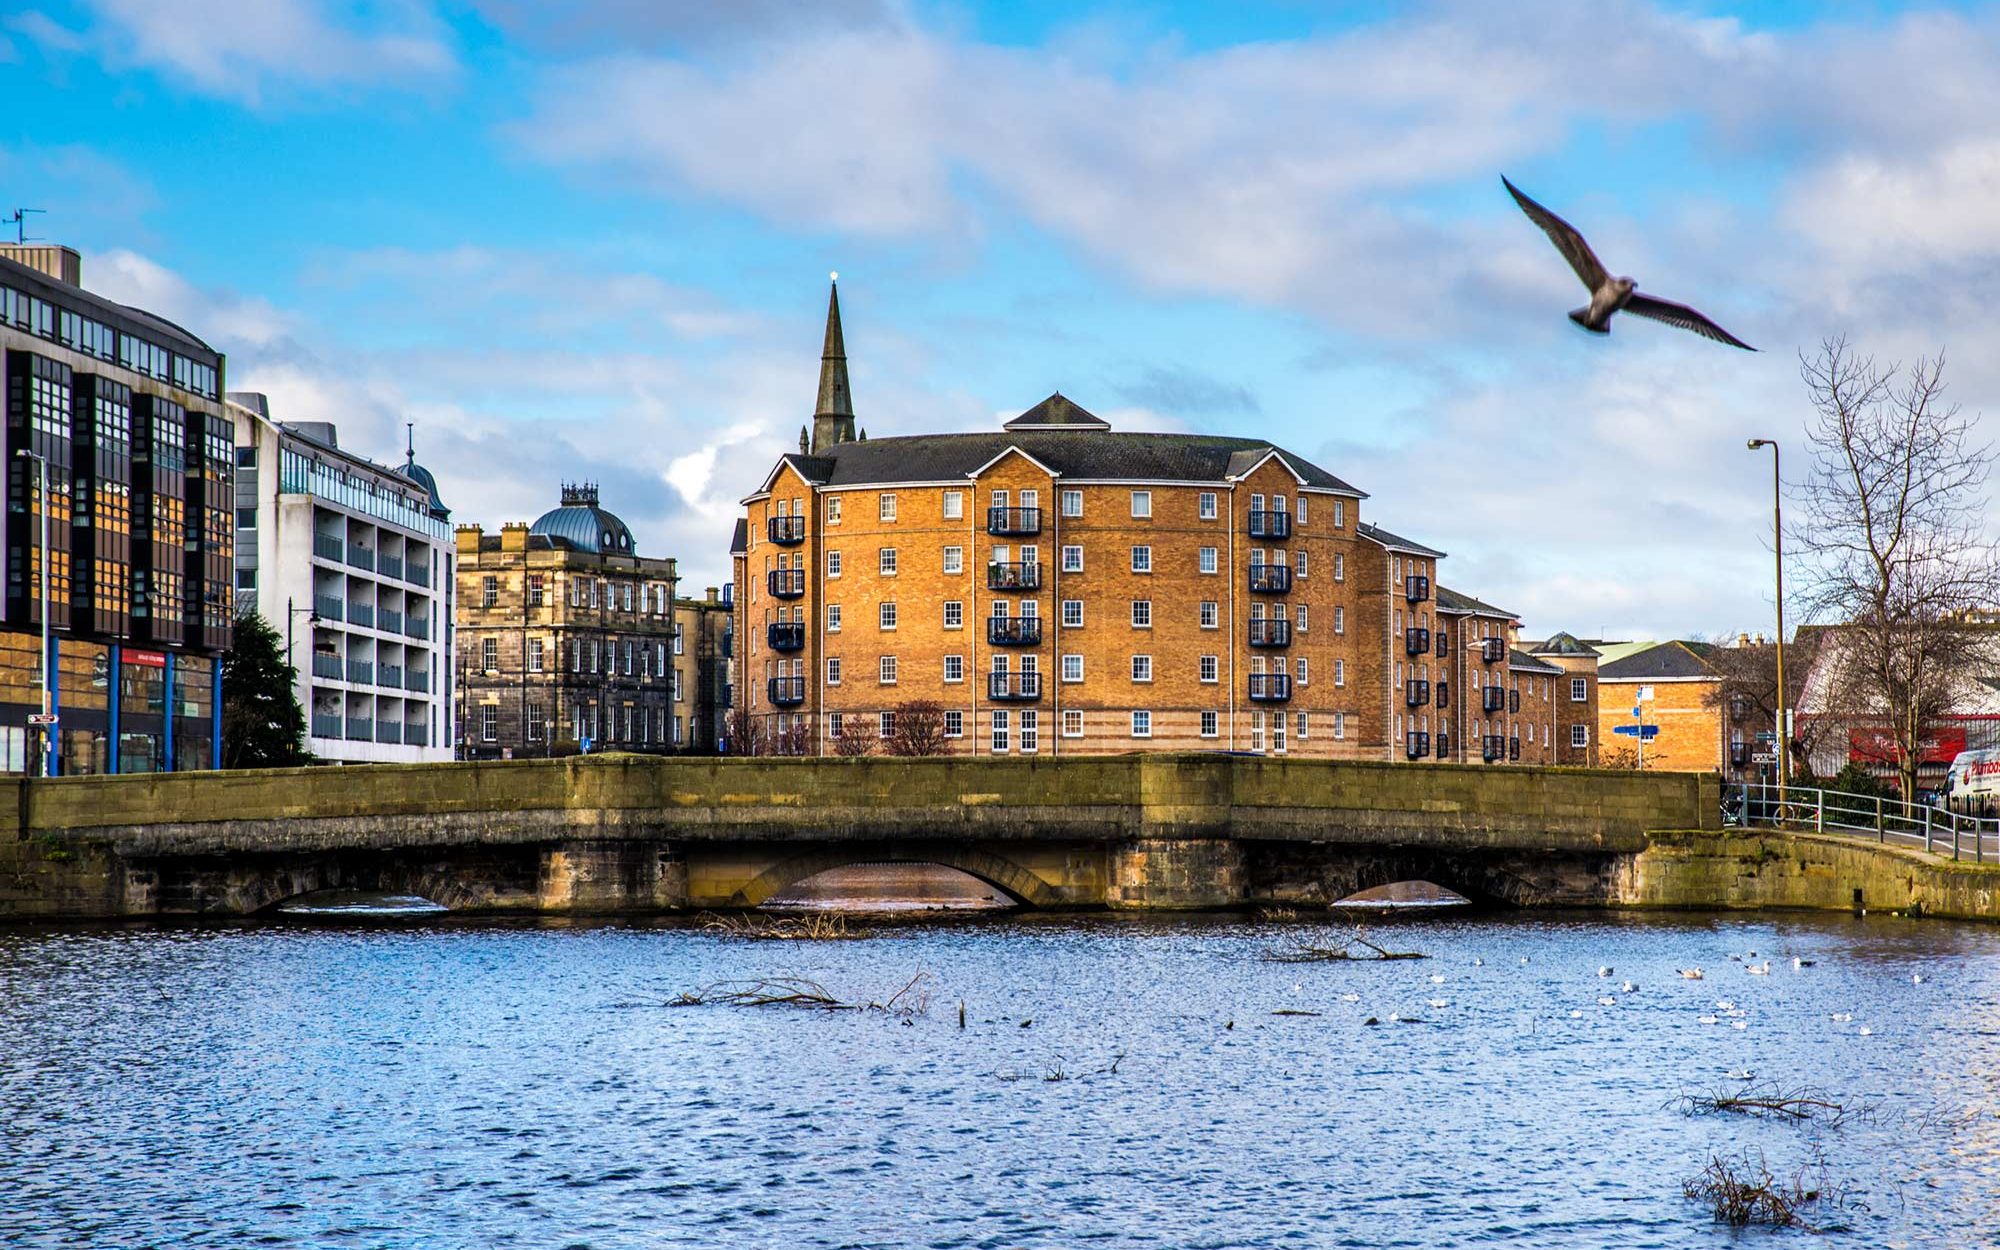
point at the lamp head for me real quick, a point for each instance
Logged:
(1755, 443)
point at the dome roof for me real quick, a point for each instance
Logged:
(422, 477)
(582, 525)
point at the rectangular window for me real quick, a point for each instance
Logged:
(888, 614)
(1072, 667)
(1031, 732)
(1142, 668)
(1072, 613)
(954, 505)
(1302, 521)
(1305, 677)
(1209, 614)
(534, 655)
(1142, 503)
(832, 618)
(886, 561)
(1339, 519)
(833, 564)
(489, 593)
(1210, 669)
(954, 724)
(1579, 691)
(1000, 734)
(1208, 564)
(954, 614)
(1339, 725)
(1340, 673)
(886, 505)
(1208, 505)
(1211, 724)
(1303, 618)
(954, 559)
(1142, 724)
(833, 509)
(489, 721)
(1299, 722)
(628, 607)
(1142, 614)
(834, 721)
(489, 655)
(1579, 735)
(1339, 619)
(887, 673)
(1300, 564)
(833, 670)
(1072, 723)
(885, 724)
(1072, 559)
(954, 668)
(1072, 503)
(1142, 559)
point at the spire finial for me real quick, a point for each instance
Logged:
(833, 415)
(410, 444)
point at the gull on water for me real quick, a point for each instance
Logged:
(1690, 974)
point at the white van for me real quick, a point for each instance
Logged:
(1974, 780)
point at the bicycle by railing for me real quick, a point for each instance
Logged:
(1937, 830)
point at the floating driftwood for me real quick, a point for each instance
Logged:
(1743, 1190)
(914, 999)
(820, 927)
(1804, 1102)
(1058, 1070)
(1356, 947)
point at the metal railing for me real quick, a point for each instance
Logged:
(1270, 632)
(1014, 575)
(361, 557)
(325, 665)
(1938, 830)
(786, 583)
(1270, 687)
(389, 676)
(417, 627)
(391, 621)
(1013, 520)
(1270, 579)
(361, 672)
(785, 635)
(1417, 692)
(329, 547)
(418, 573)
(324, 726)
(389, 566)
(1014, 631)
(330, 607)
(1416, 641)
(362, 614)
(1416, 588)
(786, 531)
(1270, 524)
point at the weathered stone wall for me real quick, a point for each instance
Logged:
(1742, 869)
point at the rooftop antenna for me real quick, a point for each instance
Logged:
(20, 223)
(410, 434)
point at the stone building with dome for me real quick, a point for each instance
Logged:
(569, 640)
(351, 561)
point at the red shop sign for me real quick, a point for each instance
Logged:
(1873, 745)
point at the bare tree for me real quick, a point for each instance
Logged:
(857, 736)
(794, 738)
(1747, 696)
(745, 733)
(1895, 538)
(919, 729)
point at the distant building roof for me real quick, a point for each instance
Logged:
(1449, 600)
(1394, 542)
(583, 526)
(1662, 661)
(1521, 661)
(739, 539)
(1563, 644)
(1057, 413)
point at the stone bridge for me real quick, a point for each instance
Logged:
(639, 833)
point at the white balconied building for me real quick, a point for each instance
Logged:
(352, 563)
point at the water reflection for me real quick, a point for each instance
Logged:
(1404, 896)
(358, 905)
(893, 887)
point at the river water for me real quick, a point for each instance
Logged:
(440, 1083)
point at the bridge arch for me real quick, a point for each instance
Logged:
(264, 893)
(1483, 881)
(1017, 883)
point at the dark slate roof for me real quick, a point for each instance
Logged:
(1059, 412)
(1077, 454)
(1669, 659)
(583, 526)
(1529, 664)
(1376, 533)
(1450, 600)
(422, 477)
(27, 277)
(1562, 644)
(739, 542)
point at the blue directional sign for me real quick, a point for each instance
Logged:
(1644, 733)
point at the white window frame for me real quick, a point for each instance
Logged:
(1142, 614)
(1072, 558)
(954, 559)
(833, 564)
(1072, 666)
(885, 561)
(1072, 723)
(833, 670)
(1142, 669)
(1142, 723)
(1579, 736)
(954, 614)
(1142, 558)
(1072, 503)
(1579, 690)
(1211, 724)
(1209, 561)
(1142, 504)
(886, 506)
(833, 509)
(1205, 506)
(832, 618)
(954, 505)
(885, 613)
(1072, 614)
(1339, 674)
(954, 668)
(1210, 669)
(885, 671)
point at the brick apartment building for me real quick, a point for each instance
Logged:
(1057, 586)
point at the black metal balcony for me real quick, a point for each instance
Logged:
(1443, 642)
(1270, 632)
(1417, 744)
(1014, 575)
(787, 691)
(1014, 631)
(1270, 524)
(1444, 746)
(787, 531)
(1514, 701)
(728, 644)
(1492, 747)
(1013, 521)
(1270, 579)
(1014, 687)
(1513, 748)
(1444, 693)
(785, 636)
(1270, 687)
(1493, 699)
(1493, 650)
(1416, 588)
(787, 583)
(1416, 692)
(1416, 641)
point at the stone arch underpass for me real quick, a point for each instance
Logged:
(1019, 883)
(1327, 874)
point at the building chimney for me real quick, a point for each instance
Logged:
(1742, 640)
(714, 595)
(58, 262)
(514, 536)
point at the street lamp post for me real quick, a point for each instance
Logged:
(311, 614)
(1778, 547)
(42, 506)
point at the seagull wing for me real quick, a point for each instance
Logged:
(1566, 239)
(1684, 317)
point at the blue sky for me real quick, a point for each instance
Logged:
(596, 245)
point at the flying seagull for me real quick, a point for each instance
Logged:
(1608, 294)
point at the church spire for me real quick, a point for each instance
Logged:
(833, 417)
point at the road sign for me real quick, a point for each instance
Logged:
(1645, 694)
(1764, 757)
(42, 718)
(1644, 733)
(1765, 735)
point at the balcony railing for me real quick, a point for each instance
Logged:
(361, 557)
(417, 627)
(361, 728)
(324, 726)
(390, 566)
(1270, 524)
(1270, 632)
(329, 607)
(785, 635)
(324, 665)
(1444, 693)
(388, 731)
(786, 583)
(416, 734)
(389, 676)
(418, 573)
(1416, 588)
(1014, 575)
(1444, 746)
(1416, 641)
(392, 621)
(787, 691)
(786, 531)
(1493, 699)
(361, 672)
(1014, 687)
(1493, 650)
(1416, 692)
(1270, 579)
(1006, 521)
(728, 644)
(328, 547)
(362, 614)
(1270, 687)
(1014, 631)
(1492, 747)
(1417, 744)
(417, 680)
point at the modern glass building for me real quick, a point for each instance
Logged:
(124, 411)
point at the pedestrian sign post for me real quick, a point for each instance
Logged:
(45, 720)
(1645, 733)
(1639, 728)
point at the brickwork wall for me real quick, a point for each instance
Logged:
(1691, 732)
